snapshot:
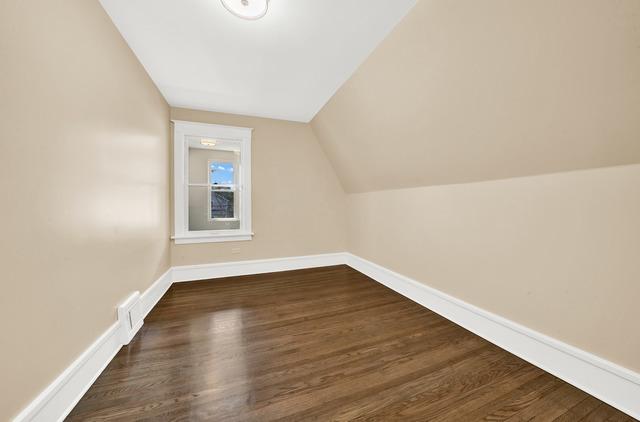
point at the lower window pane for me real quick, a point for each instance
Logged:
(222, 204)
(201, 208)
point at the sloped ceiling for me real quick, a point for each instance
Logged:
(285, 65)
(467, 90)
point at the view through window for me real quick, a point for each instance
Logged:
(222, 190)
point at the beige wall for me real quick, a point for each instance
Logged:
(467, 90)
(557, 253)
(84, 182)
(298, 204)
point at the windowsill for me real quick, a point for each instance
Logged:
(208, 237)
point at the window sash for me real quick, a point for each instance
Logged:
(232, 187)
(227, 188)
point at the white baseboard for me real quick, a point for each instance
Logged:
(260, 266)
(60, 397)
(154, 293)
(605, 380)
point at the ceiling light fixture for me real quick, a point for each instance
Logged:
(208, 142)
(247, 9)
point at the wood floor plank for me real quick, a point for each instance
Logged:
(513, 401)
(580, 410)
(318, 344)
(605, 413)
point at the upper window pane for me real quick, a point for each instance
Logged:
(221, 173)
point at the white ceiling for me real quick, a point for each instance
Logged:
(286, 65)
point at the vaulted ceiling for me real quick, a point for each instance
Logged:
(285, 65)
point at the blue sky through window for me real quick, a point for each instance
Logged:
(221, 173)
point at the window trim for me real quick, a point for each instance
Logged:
(182, 130)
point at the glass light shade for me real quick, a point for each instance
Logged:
(247, 9)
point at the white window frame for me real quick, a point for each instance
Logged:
(181, 131)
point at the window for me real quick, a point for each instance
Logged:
(212, 170)
(222, 190)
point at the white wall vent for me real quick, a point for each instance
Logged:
(130, 317)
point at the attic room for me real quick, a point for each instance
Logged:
(305, 210)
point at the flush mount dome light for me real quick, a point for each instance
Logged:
(247, 9)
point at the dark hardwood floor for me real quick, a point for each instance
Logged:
(320, 344)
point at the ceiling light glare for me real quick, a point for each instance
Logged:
(208, 142)
(247, 9)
